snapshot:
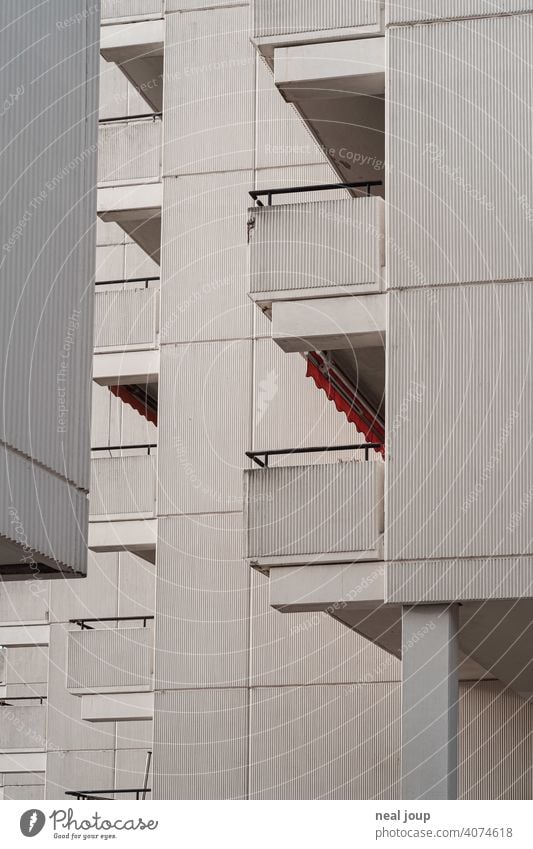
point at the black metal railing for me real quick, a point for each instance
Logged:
(145, 280)
(366, 185)
(148, 447)
(84, 795)
(125, 118)
(6, 700)
(88, 627)
(367, 447)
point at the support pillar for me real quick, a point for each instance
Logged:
(430, 693)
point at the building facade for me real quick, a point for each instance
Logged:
(349, 623)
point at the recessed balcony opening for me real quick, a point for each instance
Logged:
(129, 148)
(138, 49)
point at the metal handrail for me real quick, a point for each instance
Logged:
(6, 700)
(84, 627)
(145, 280)
(269, 193)
(125, 118)
(255, 455)
(149, 447)
(84, 795)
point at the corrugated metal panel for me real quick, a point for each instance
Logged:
(431, 581)
(459, 410)
(129, 151)
(407, 11)
(208, 92)
(130, 8)
(204, 258)
(19, 792)
(123, 485)
(278, 17)
(455, 214)
(329, 742)
(78, 770)
(23, 727)
(46, 517)
(200, 744)
(19, 605)
(334, 243)
(48, 190)
(49, 194)
(282, 138)
(201, 450)
(125, 319)
(109, 657)
(203, 603)
(494, 744)
(303, 511)
(310, 648)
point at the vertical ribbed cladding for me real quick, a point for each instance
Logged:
(130, 8)
(494, 743)
(106, 658)
(314, 245)
(204, 258)
(78, 770)
(129, 151)
(15, 723)
(310, 648)
(282, 138)
(200, 744)
(332, 742)
(201, 450)
(411, 11)
(459, 186)
(125, 319)
(122, 485)
(209, 92)
(459, 413)
(295, 511)
(279, 17)
(202, 600)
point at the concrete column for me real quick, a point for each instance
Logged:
(430, 692)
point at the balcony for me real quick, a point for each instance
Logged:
(110, 656)
(130, 149)
(126, 319)
(137, 209)
(22, 734)
(137, 49)
(329, 513)
(321, 249)
(284, 22)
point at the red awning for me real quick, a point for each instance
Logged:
(138, 400)
(347, 400)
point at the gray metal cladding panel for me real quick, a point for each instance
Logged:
(78, 770)
(129, 151)
(459, 408)
(108, 657)
(483, 578)
(23, 727)
(302, 511)
(331, 742)
(48, 187)
(310, 648)
(494, 743)
(19, 605)
(278, 17)
(204, 258)
(455, 215)
(98, 596)
(42, 515)
(203, 603)
(314, 245)
(19, 792)
(122, 485)
(200, 744)
(201, 450)
(125, 318)
(130, 8)
(209, 92)
(410, 11)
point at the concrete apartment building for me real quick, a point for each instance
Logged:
(344, 624)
